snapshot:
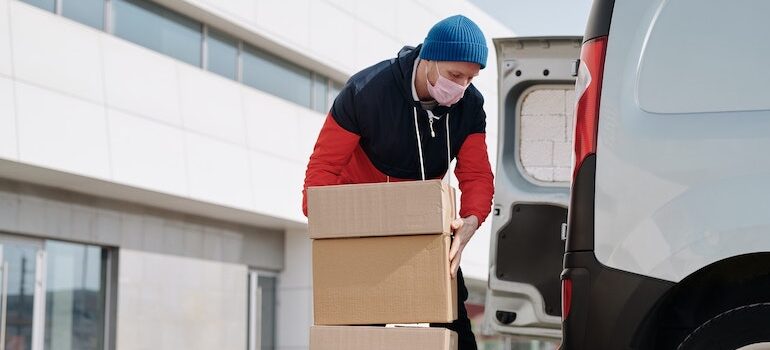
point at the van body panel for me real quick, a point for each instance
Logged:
(668, 223)
(679, 191)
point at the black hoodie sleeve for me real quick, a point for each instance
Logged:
(479, 123)
(344, 111)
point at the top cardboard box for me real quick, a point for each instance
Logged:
(380, 209)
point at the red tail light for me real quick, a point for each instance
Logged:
(566, 297)
(588, 88)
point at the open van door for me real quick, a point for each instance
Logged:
(534, 169)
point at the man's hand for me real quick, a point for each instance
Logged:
(463, 229)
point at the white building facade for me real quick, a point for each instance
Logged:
(152, 155)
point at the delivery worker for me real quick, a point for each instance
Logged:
(405, 119)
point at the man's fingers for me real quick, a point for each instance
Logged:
(454, 265)
(457, 223)
(454, 249)
(454, 260)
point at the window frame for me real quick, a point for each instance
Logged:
(110, 277)
(254, 313)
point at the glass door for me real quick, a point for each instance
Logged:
(21, 297)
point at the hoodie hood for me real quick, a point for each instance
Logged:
(402, 70)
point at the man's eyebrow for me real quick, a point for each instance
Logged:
(455, 71)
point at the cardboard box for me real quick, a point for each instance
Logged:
(380, 209)
(381, 338)
(381, 280)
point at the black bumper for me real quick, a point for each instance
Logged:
(610, 309)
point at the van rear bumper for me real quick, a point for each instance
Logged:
(610, 309)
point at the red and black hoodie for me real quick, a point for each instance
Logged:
(370, 136)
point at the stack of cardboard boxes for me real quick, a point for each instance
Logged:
(380, 256)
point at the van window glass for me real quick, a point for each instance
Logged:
(706, 56)
(545, 137)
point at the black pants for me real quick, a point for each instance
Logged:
(462, 325)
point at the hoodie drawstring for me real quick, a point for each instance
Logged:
(419, 143)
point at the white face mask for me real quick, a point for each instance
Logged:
(446, 92)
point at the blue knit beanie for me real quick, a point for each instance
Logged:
(455, 38)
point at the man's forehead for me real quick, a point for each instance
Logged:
(464, 67)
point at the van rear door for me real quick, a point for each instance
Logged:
(534, 159)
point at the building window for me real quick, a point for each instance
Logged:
(262, 304)
(273, 75)
(54, 294)
(48, 5)
(320, 93)
(75, 296)
(20, 266)
(221, 54)
(88, 12)
(159, 29)
(333, 92)
(163, 30)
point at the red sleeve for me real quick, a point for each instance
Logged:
(475, 177)
(331, 153)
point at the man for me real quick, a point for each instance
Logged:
(405, 119)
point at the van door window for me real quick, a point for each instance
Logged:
(545, 140)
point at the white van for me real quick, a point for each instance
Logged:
(666, 195)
